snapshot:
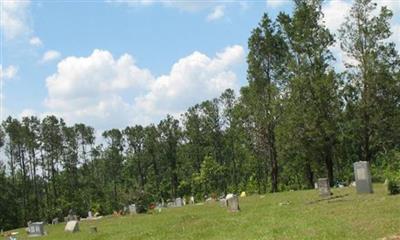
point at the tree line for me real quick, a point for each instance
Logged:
(297, 120)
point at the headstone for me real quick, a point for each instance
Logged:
(72, 226)
(178, 202)
(316, 185)
(223, 202)
(386, 182)
(191, 200)
(132, 209)
(54, 221)
(363, 177)
(232, 202)
(90, 215)
(324, 188)
(36, 229)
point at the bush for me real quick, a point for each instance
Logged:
(142, 201)
(393, 186)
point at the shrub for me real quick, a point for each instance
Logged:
(393, 186)
(142, 201)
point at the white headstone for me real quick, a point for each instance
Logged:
(72, 226)
(132, 209)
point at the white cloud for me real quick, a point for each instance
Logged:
(35, 41)
(50, 56)
(335, 12)
(106, 92)
(189, 6)
(192, 79)
(217, 13)
(396, 35)
(276, 3)
(14, 18)
(8, 72)
(27, 113)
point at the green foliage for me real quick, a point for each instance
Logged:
(211, 174)
(393, 186)
(142, 200)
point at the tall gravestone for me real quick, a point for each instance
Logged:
(36, 229)
(324, 188)
(232, 202)
(363, 177)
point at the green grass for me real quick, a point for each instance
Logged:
(372, 216)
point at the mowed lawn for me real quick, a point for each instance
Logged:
(354, 216)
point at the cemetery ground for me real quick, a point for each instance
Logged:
(286, 215)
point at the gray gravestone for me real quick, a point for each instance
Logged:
(223, 202)
(232, 202)
(132, 209)
(363, 177)
(54, 221)
(72, 226)
(36, 229)
(90, 214)
(324, 188)
(178, 202)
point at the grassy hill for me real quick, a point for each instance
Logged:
(262, 217)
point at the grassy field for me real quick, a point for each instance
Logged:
(353, 216)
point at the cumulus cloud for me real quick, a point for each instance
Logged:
(27, 113)
(50, 55)
(276, 3)
(189, 6)
(192, 79)
(8, 72)
(106, 92)
(335, 13)
(14, 18)
(217, 13)
(35, 41)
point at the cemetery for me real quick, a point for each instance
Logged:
(200, 119)
(269, 216)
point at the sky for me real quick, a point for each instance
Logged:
(114, 63)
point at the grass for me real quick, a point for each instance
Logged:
(371, 216)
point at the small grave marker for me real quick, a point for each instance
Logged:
(178, 202)
(132, 209)
(36, 229)
(72, 226)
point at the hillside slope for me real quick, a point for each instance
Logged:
(288, 215)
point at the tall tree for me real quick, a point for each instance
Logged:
(266, 58)
(373, 77)
(313, 94)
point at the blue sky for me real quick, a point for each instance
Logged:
(114, 63)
